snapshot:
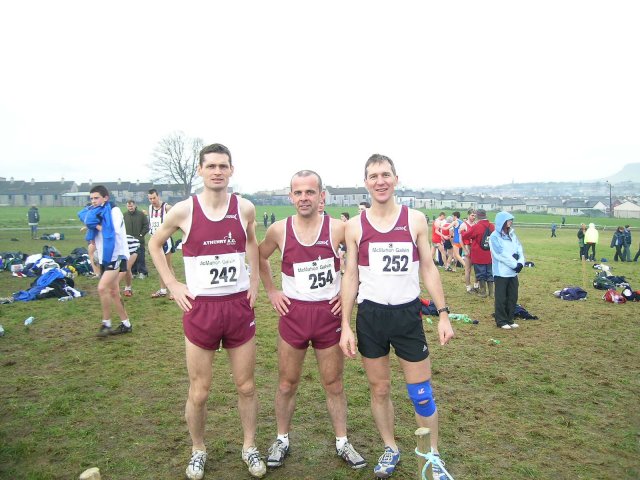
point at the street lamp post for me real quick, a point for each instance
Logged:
(610, 202)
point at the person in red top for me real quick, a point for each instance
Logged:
(479, 256)
(466, 246)
(219, 240)
(436, 238)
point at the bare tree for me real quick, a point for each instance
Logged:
(176, 160)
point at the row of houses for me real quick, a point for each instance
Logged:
(593, 206)
(66, 193)
(69, 193)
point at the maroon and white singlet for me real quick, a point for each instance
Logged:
(388, 262)
(310, 272)
(214, 252)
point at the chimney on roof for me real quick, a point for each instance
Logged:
(90, 182)
(137, 181)
(33, 182)
(62, 180)
(11, 180)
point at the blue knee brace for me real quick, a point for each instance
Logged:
(421, 395)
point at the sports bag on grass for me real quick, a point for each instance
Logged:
(613, 296)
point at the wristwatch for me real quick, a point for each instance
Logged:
(443, 309)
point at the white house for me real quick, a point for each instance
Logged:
(627, 210)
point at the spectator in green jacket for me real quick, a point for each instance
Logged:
(137, 225)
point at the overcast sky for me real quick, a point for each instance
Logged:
(456, 93)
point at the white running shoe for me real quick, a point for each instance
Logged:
(256, 465)
(351, 456)
(195, 469)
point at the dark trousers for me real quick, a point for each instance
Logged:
(506, 298)
(635, 259)
(591, 246)
(583, 249)
(618, 255)
(139, 266)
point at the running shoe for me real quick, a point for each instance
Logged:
(351, 456)
(122, 328)
(387, 463)
(104, 331)
(128, 292)
(251, 457)
(276, 454)
(437, 471)
(195, 469)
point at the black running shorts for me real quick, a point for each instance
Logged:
(120, 264)
(380, 326)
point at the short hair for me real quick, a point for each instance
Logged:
(377, 158)
(306, 173)
(131, 200)
(152, 191)
(441, 213)
(215, 148)
(366, 204)
(626, 226)
(346, 215)
(101, 189)
(456, 214)
(471, 211)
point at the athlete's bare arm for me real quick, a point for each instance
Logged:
(337, 237)
(177, 219)
(248, 212)
(349, 288)
(429, 273)
(271, 242)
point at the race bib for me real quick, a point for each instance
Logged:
(315, 275)
(215, 271)
(392, 258)
(154, 223)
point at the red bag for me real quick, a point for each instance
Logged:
(613, 296)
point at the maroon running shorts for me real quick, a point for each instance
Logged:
(310, 322)
(226, 318)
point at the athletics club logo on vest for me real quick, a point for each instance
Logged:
(228, 240)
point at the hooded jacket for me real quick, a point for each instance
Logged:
(591, 235)
(503, 248)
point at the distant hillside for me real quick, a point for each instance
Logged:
(630, 173)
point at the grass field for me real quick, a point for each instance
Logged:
(557, 398)
(16, 217)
